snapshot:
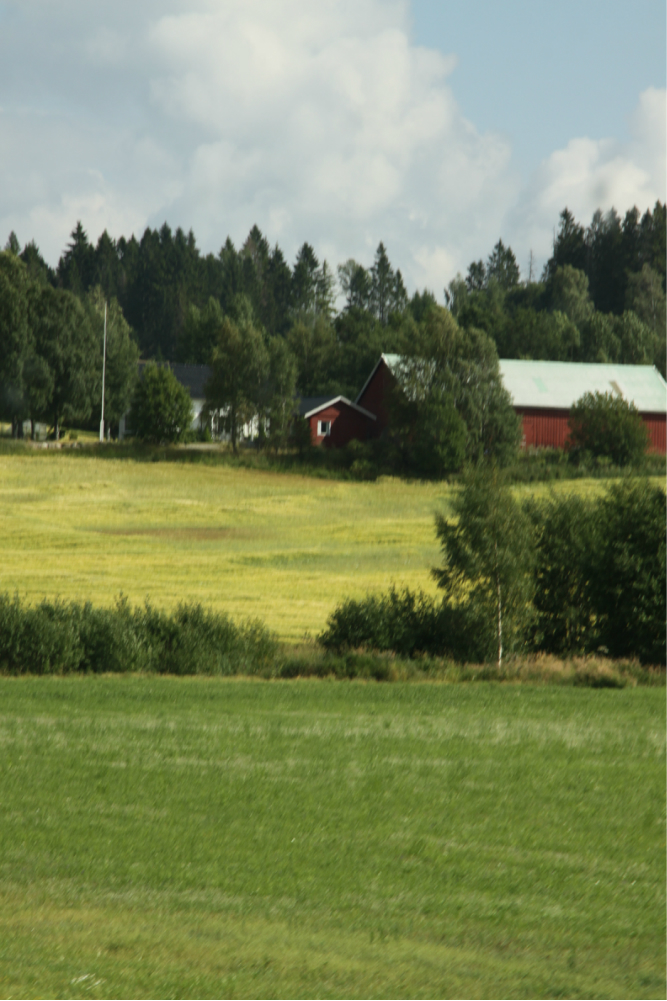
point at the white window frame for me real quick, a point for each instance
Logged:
(321, 433)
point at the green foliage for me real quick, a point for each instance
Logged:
(279, 392)
(566, 537)
(61, 638)
(444, 362)
(645, 296)
(429, 432)
(487, 559)
(600, 573)
(239, 366)
(200, 332)
(601, 298)
(16, 342)
(602, 424)
(405, 622)
(568, 293)
(300, 436)
(502, 268)
(66, 340)
(628, 572)
(562, 576)
(122, 355)
(161, 407)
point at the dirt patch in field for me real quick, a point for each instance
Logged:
(183, 533)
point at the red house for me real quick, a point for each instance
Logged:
(334, 421)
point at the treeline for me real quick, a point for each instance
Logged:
(566, 576)
(600, 298)
(172, 296)
(51, 347)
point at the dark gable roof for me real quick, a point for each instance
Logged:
(193, 377)
(308, 403)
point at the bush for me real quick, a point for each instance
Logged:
(604, 425)
(59, 638)
(407, 623)
(627, 572)
(600, 573)
(596, 584)
(161, 409)
(565, 533)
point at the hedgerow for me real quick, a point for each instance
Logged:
(58, 637)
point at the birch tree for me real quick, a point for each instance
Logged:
(487, 560)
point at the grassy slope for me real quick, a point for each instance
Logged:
(283, 548)
(175, 838)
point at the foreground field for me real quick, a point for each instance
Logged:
(207, 838)
(286, 549)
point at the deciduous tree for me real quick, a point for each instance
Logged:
(487, 559)
(161, 408)
(239, 365)
(602, 424)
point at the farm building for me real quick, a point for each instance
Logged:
(375, 393)
(543, 392)
(335, 420)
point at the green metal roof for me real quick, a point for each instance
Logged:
(559, 384)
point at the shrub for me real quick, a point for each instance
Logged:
(59, 638)
(161, 409)
(627, 572)
(604, 425)
(407, 623)
(565, 542)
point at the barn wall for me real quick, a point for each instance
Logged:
(657, 429)
(543, 428)
(549, 428)
(376, 397)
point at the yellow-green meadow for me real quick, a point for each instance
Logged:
(283, 548)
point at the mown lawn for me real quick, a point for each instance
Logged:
(165, 837)
(283, 548)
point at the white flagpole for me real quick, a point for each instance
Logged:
(104, 371)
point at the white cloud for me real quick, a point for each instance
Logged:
(317, 121)
(326, 118)
(590, 174)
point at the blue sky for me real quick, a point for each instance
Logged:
(545, 72)
(437, 127)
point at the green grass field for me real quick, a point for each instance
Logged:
(286, 549)
(169, 837)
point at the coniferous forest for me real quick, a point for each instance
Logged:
(599, 298)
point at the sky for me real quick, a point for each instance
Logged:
(436, 126)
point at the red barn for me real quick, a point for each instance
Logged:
(334, 421)
(543, 392)
(375, 393)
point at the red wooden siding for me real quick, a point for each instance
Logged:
(346, 424)
(549, 428)
(376, 397)
(543, 428)
(656, 425)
